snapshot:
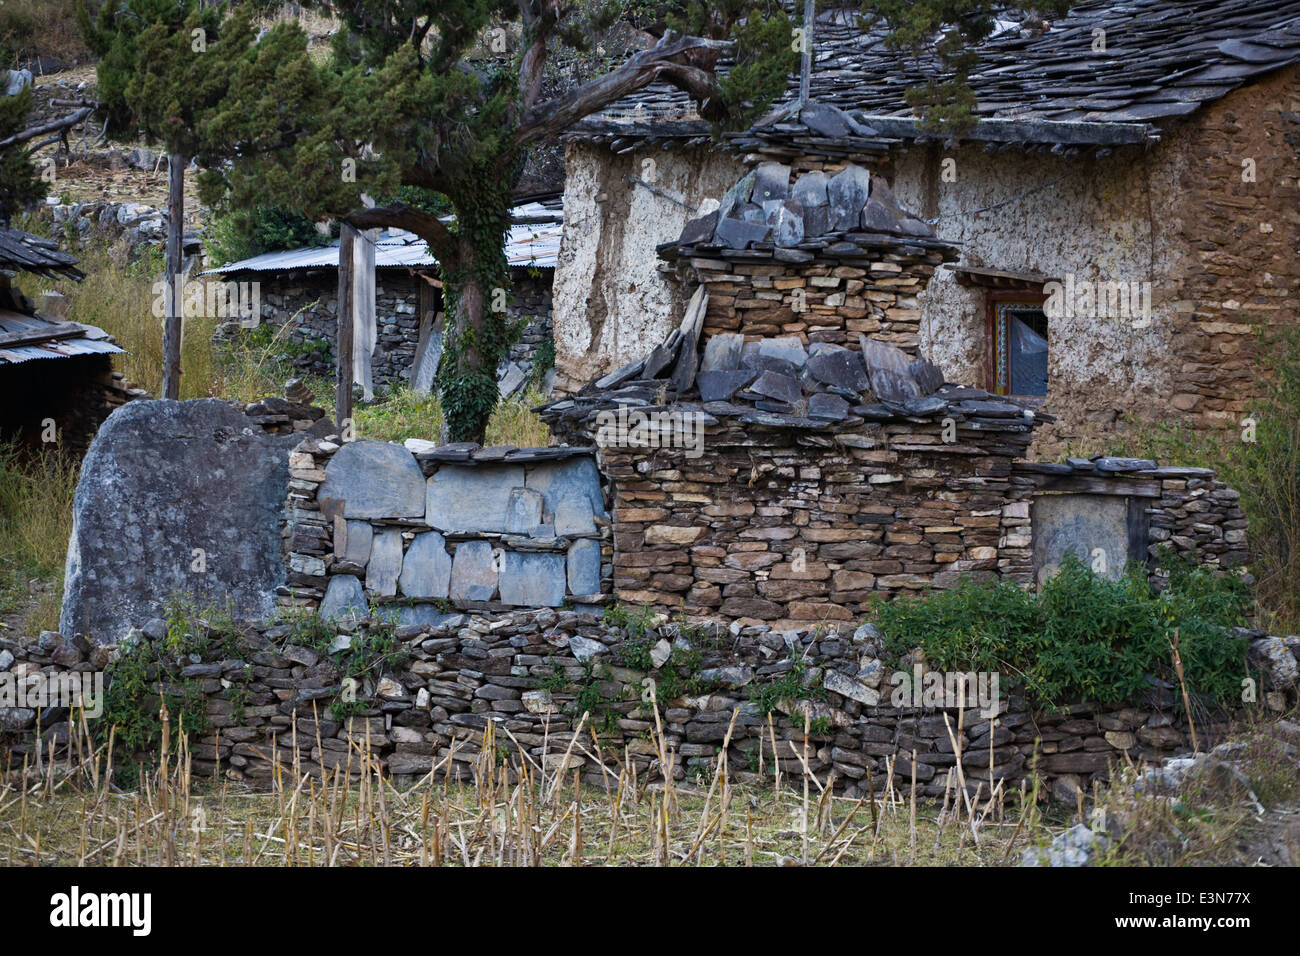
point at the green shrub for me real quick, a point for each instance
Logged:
(1082, 638)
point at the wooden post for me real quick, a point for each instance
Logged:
(343, 337)
(806, 54)
(172, 329)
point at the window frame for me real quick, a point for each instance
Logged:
(1028, 297)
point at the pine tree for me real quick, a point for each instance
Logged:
(160, 70)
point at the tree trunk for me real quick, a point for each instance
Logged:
(173, 329)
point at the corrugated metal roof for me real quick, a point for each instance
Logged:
(533, 245)
(91, 341)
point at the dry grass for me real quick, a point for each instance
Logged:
(506, 810)
(35, 522)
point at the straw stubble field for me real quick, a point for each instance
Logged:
(498, 807)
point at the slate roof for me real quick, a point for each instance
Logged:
(24, 252)
(1163, 59)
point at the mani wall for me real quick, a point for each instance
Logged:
(425, 528)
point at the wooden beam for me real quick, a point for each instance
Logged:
(65, 330)
(344, 335)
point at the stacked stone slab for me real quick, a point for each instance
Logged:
(268, 699)
(825, 257)
(425, 526)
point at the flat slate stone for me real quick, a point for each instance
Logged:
(426, 569)
(533, 579)
(781, 387)
(572, 492)
(356, 542)
(160, 479)
(927, 375)
(739, 234)
(876, 218)
(822, 405)
(699, 230)
(1123, 464)
(887, 365)
(374, 479)
(771, 182)
(785, 218)
(848, 191)
(787, 347)
(344, 597)
(583, 564)
(720, 386)
(385, 564)
(473, 574)
(424, 615)
(838, 366)
(722, 352)
(465, 499)
(524, 511)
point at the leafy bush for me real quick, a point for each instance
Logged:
(1083, 638)
(244, 233)
(1262, 463)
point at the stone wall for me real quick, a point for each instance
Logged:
(425, 528)
(270, 699)
(820, 298)
(773, 525)
(313, 298)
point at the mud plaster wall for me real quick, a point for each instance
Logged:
(1100, 220)
(609, 297)
(1221, 256)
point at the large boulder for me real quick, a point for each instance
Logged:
(175, 498)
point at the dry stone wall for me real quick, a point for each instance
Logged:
(270, 697)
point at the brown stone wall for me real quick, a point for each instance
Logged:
(1240, 271)
(889, 508)
(818, 300)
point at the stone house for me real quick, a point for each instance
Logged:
(787, 455)
(57, 382)
(1125, 209)
(405, 299)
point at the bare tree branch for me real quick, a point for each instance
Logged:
(72, 119)
(555, 115)
(401, 216)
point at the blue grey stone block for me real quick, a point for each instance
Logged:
(584, 567)
(473, 572)
(532, 579)
(374, 479)
(344, 597)
(426, 569)
(466, 498)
